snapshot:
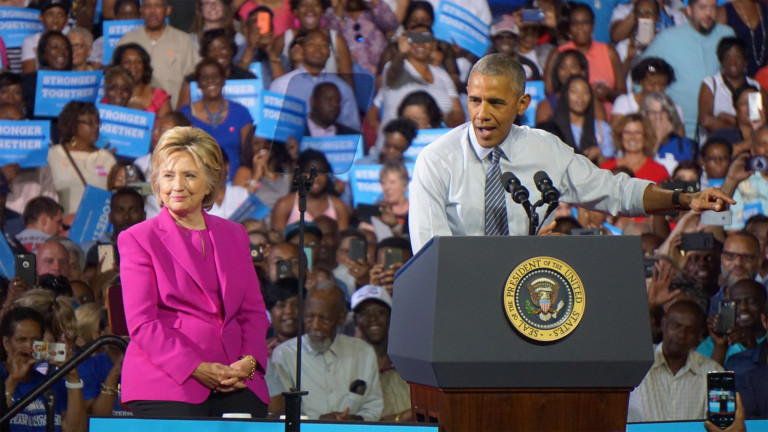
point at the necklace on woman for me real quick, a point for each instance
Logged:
(215, 119)
(758, 59)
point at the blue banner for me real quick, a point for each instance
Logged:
(250, 208)
(454, 24)
(129, 130)
(25, 142)
(132, 424)
(536, 90)
(423, 138)
(17, 23)
(245, 92)
(340, 150)
(113, 31)
(92, 216)
(56, 88)
(7, 259)
(281, 117)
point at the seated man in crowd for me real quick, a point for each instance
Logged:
(339, 372)
(372, 306)
(43, 218)
(324, 110)
(747, 330)
(738, 260)
(675, 387)
(391, 254)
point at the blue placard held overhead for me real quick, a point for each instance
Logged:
(281, 117)
(536, 90)
(92, 216)
(17, 23)
(250, 208)
(128, 130)
(364, 181)
(113, 31)
(340, 150)
(245, 92)
(56, 88)
(422, 139)
(453, 23)
(7, 259)
(25, 142)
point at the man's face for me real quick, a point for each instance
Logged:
(53, 258)
(326, 105)
(702, 267)
(372, 319)
(154, 13)
(716, 161)
(681, 329)
(54, 18)
(760, 143)
(701, 15)
(739, 259)
(127, 11)
(321, 318)
(494, 103)
(283, 251)
(51, 225)
(126, 211)
(316, 50)
(748, 305)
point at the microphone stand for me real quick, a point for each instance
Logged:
(533, 217)
(303, 183)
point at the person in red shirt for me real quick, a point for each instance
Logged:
(634, 137)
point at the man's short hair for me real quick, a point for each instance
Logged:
(323, 85)
(754, 220)
(689, 306)
(126, 191)
(330, 286)
(746, 234)
(39, 206)
(501, 65)
(755, 286)
(394, 243)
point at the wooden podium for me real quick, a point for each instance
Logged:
(470, 370)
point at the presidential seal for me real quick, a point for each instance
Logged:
(544, 299)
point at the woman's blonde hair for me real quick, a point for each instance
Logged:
(203, 149)
(58, 313)
(88, 318)
(649, 135)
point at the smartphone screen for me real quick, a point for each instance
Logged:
(26, 268)
(721, 398)
(107, 257)
(284, 269)
(392, 256)
(646, 29)
(263, 22)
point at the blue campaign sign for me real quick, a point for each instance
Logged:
(281, 117)
(340, 150)
(113, 31)
(423, 138)
(245, 92)
(17, 23)
(129, 130)
(7, 259)
(250, 208)
(364, 180)
(536, 90)
(132, 424)
(56, 88)
(92, 216)
(25, 142)
(453, 23)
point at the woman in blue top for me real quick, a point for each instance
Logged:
(20, 327)
(229, 123)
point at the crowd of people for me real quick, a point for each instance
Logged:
(658, 90)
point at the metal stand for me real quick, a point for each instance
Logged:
(303, 183)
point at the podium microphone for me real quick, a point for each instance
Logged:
(549, 194)
(512, 185)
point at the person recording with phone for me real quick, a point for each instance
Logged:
(752, 170)
(193, 306)
(737, 326)
(456, 188)
(391, 254)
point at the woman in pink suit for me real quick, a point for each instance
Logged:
(192, 301)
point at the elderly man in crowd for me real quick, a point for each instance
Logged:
(339, 372)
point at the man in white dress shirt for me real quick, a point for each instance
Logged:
(447, 190)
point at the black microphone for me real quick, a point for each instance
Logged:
(549, 194)
(512, 185)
